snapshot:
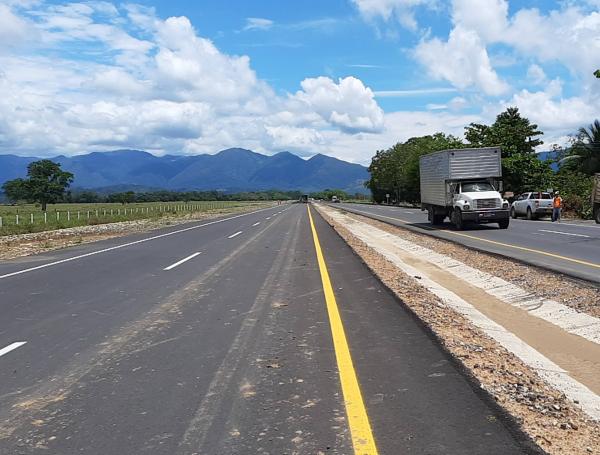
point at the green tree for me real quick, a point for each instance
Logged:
(518, 138)
(46, 182)
(15, 190)
(515, 134)
(526, 172)
(395, 171)
(584, 155)
(597, 74)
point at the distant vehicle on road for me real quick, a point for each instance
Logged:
(532, 205)
(304, 198)
(462, 184)
(596, 198)
(334, 199)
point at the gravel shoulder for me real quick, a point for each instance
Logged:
(15, 246)
(580, 295)
(555, 423)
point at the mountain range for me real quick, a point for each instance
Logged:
(230, 170)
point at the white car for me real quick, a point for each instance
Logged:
(532, 205)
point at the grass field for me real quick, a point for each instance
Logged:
(20, 219)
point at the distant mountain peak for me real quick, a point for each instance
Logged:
(233, 169)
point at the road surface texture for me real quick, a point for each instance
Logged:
(215, 338)
(569, 247)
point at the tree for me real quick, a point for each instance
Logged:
(526, 172)
(513, 133)
(15, 190)
(124, 198)
(518, 138)
(46, 182)
(395, 171)
(597, 74)
(584, 155)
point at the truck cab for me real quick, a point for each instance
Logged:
(478, 201)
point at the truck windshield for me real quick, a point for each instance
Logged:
(476, 187)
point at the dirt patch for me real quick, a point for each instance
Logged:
(15, 246)
(557, 425)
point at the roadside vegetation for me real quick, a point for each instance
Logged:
(570, 170)
(28, 218)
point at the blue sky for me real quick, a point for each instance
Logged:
(341, 77)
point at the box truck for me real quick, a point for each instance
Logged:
(463, 185)
(596, 198)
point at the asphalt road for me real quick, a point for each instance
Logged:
(569, 247)
(215, 338)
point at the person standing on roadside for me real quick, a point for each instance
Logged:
(556, 207)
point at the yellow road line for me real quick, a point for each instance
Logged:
(358, 421)
(508, 245)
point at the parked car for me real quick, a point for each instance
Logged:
(532, 205)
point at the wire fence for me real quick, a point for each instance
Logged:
(15, 220)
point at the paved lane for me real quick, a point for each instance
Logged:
(228, 352)
(572, 248)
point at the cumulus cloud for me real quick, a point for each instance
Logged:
(462, 60)
(14, 30)
(159, 86)
(348, 104)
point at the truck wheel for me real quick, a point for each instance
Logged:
(438, 219)
(457, 219)
(513, 213)
(597, 217)
(530, 214)
(503, 224)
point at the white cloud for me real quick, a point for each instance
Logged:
(258, 23)
(348, 104)
(14, 30)
(170, 91)
(462, 60)
(536, 74)
(488, 18)
(401, 10)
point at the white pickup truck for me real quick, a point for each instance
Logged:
(532, 205)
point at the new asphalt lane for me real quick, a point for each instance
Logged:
(569, 247)
(214, 338)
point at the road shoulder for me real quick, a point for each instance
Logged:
(545, 414)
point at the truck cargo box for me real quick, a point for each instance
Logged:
(596, 189)
(453, 165)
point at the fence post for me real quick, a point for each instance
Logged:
(45, 217)
(0, 222)
(88, 214)
(78, 214)
(57, 216)
(96, 213)
(32, 218)
(17, 219)
(68, 215)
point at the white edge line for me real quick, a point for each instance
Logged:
(191, 256)
(11, 347)
(564, 233)
(105, 250)
(256, 224)
(235, 235)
